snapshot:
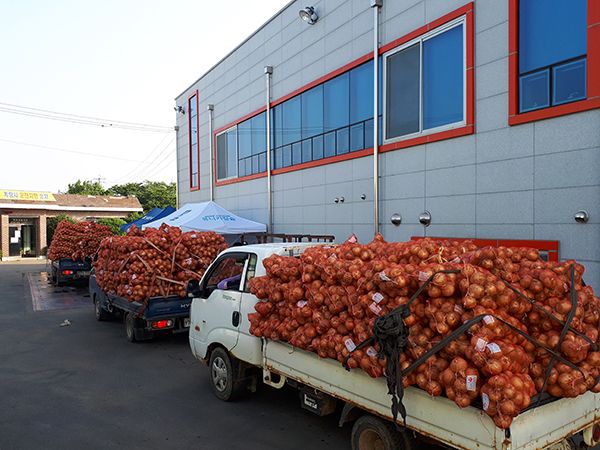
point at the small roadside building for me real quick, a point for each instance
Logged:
(23, 216)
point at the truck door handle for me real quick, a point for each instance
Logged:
(235, 318)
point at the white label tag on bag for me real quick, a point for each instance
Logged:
(485, 400)
(377, 297)
(471, 382)
(350, 345)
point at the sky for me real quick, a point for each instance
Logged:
(87, 88)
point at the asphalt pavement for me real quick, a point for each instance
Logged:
(70, 382)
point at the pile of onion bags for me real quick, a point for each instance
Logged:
(77, 240)
(326, 301)
(155, 262)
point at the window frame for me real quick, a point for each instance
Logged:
(468, 128)
(190, 148)
(226, 162)
(593, 68)
(420, 40)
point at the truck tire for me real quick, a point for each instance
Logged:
(223, 369)
(100, 313)
(373, 433)
(130, 327)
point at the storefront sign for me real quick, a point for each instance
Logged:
(26, 195)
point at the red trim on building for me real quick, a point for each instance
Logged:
(551, 247)
(593, 70)
(197, 187)
(246, 117)
(469, 128)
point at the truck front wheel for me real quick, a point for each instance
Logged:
(222, 373)
(372, 433)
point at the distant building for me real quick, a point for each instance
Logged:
(487, 119)
(23, 216)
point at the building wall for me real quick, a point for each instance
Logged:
(524, 181)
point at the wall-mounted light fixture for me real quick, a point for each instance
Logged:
(179, 109)
(396, 219)
(582, 216)
(425, 218)
(309, 15)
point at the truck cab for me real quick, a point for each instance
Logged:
(222, 301)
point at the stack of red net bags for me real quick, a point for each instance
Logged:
(327, 300)
(155, 262)
(77, 240)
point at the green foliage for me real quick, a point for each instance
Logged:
(151, 194)
(114, 224)
(52, 223)
(133, 217)
(86, 188)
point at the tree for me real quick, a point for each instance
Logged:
(114, 224)
(151, 194)
(86, 188)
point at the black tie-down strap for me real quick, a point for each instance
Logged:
(391, 334)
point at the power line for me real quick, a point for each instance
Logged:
(70, 151)
(83, 120)
(139, 168)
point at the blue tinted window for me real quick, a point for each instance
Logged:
(307, 150)
(312, 112)
(222, 156)
(343, 141)
(317, 147)
(361, 93)
(357, 137)
(336, 102)
(277, 126)
(232, 158)
(403, 87)
(259, 133)
(551, 31)
(369, 134)
(296, 153)
(291, 120)
(262, 162)
(443, 78)
(287, 156)
(245, 139)
(535, 92)
(329, 144)
(570, 82)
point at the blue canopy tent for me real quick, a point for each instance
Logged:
(155, 214)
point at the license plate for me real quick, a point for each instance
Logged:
(186, 322)
(83, 272)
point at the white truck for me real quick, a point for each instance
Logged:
(220, 337)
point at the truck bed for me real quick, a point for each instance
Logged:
(437, 417)
(156, 307)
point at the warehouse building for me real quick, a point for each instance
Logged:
(488, 123)
(23, 216)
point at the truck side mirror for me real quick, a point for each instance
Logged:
(192, 289)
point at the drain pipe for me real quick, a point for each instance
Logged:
(376, 4)
(210, 109)
(268, 73)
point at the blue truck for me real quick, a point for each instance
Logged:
(142, 319)
(65, 270)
